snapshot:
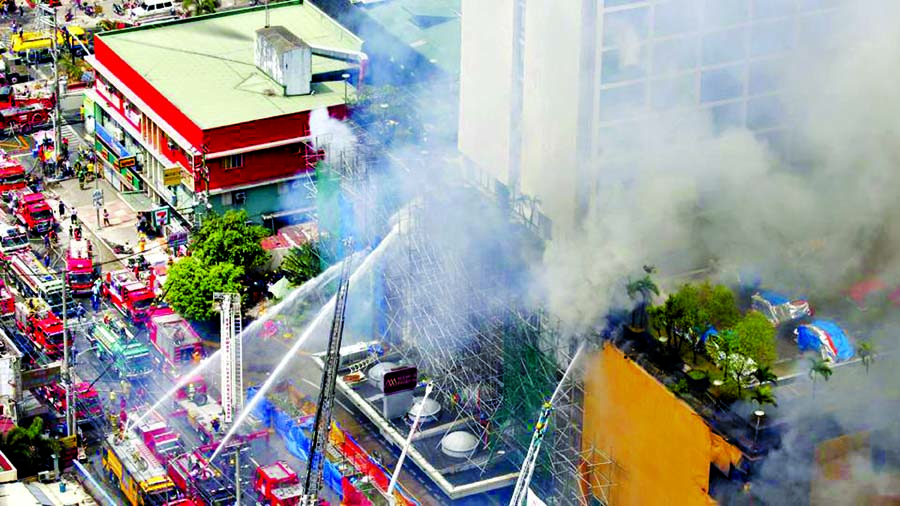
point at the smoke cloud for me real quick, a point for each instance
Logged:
(813, 214)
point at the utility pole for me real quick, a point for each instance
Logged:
(48, 18)
(67, 374)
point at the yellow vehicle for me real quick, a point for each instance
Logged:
(34, 47)
(133, 467)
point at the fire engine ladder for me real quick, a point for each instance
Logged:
(520, 492)
(363, 364)
(322, 421)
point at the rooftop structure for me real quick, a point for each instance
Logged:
(186, 112)
(202, 63)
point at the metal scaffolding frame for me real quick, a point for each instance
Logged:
(493, 360)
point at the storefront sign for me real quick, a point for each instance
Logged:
(172, 176)
(400, 379)
(161, 216)
(128, 161)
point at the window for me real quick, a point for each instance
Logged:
(722, 84)
(724, 47)
(674, 54)
(626, 27)
(677, 16)
(725, 12)
(233, 162)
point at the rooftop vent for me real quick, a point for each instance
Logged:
(285, 58)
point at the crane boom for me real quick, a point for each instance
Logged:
(520, 492)
(322, 421)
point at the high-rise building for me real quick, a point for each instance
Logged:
(550, 91)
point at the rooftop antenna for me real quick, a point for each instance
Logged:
(267, 13)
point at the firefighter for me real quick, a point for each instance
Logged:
(191, 391)
(196, 356)
(215, 424)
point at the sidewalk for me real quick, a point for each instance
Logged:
(123, 220)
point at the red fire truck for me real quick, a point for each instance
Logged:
(159, 438)
(175, 340)
(7, 302)
(24, 114)
(32, 279)
(33, 212)
(277, 485)
(88, 408)
(12, 174)
(80, 266)
(131, 297)
(42, 328)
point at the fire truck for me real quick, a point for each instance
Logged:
(200, 479)
(80, 266)
(32, 279)
(40, 326)
(204, 417)
(88, 407)
(130, 464)
(33, 212)
(130, 357)
(131, 297)
(159, 438)
(12, 237)
(7, 302)
(24, 115)
(277, 485)
(174, 339)
(12, 174)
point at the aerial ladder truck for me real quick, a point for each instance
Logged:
(521, 492)
(322, 421)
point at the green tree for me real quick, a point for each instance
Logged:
(819, 367)
(386, 115)
(198, 7)
(866, 352)
(764, 374)
(302, 263)
(28, 449)
(757, 338)
(685, 317)
(191, 283)
(643, 288)
(720, 305)
(762, 395)
(230, 238)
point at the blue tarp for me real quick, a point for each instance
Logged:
(115, 146)
(776, 299)
(839, 346)
(292, 433)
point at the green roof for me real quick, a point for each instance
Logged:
(204, 65)
(429, 27)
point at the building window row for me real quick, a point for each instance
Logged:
(233, 162)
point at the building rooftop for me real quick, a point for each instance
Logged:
(205, 65)
(429, 27)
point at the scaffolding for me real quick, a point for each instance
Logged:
(446, 301)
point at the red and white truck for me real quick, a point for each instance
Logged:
(25, 114)
(12, 174)
(32, 279)
(277, 485)
(12, 236)
(131, 297)
(42, 328)
(80, 266)
(174, 339)
(7, 302)
(33, 212)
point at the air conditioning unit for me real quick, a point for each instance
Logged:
(46, 476)
(171, 144)
(240, 197)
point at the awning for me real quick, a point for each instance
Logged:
(138, 202)
(289, 212)
(107, 139)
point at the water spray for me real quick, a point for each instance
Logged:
(321, 317)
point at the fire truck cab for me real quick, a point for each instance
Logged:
(12, 174)
(12, 237)
(7, 302)
(42, 328)
(80, 266)
(277, 485)
(175, 339)
(33, 212)
(131, 297)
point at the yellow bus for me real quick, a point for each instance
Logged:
(141, 478)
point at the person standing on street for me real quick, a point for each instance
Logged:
(105, 217)
(62, 209)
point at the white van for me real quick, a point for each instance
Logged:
(154, 10)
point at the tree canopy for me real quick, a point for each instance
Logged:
(191, 283)
(302, 263)
(230, 238)
(28, 449)
(756, 338)
(385, 115)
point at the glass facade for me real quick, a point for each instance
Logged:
(725, 57)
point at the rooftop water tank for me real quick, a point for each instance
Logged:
(427, 411)
(459, 444)
(377, 372)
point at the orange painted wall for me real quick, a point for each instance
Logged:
(661, 448)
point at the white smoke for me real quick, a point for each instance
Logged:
(330, 134)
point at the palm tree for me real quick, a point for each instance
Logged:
(866, 351)
(198, 7)
(301, 263)
(763, 395)
(643, 287)
(819, 367)
(764, 374)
